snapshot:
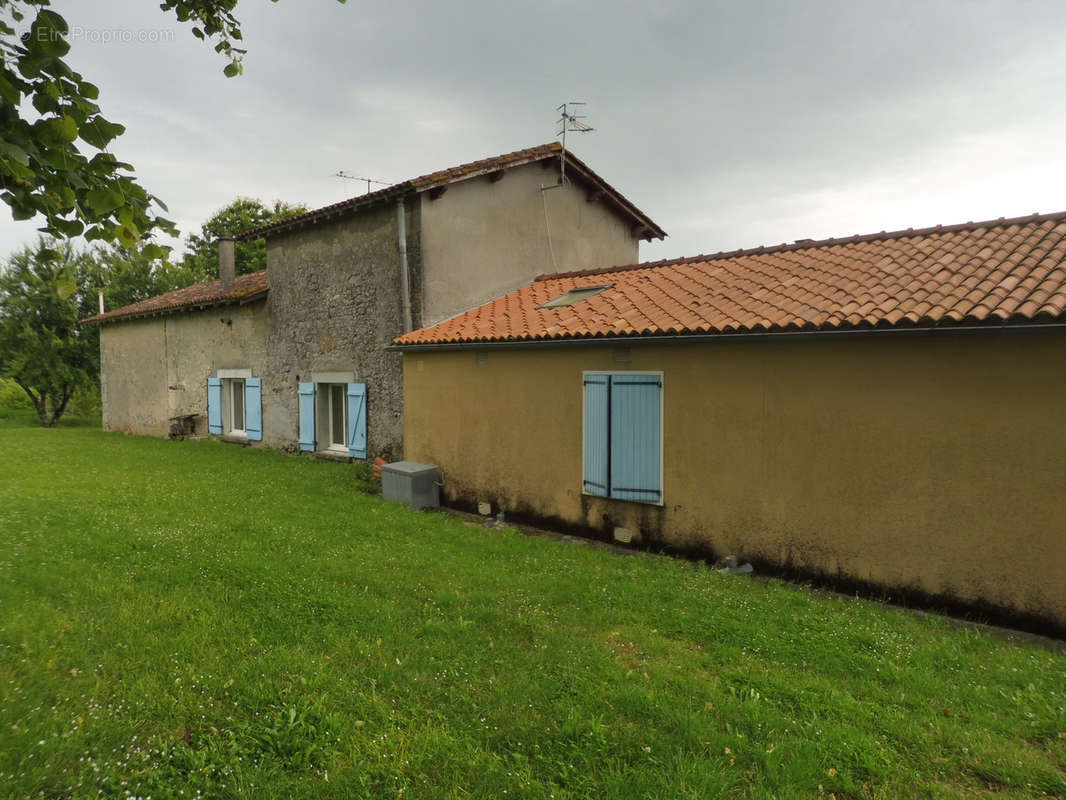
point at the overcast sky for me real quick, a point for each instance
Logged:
(731, 124)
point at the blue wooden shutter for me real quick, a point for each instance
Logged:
(597, 412)
(636, 434)
(253, 409)
(357, 420)
(214, 405)
(307, 416)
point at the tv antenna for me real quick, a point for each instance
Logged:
(570, 122)
(368, 181)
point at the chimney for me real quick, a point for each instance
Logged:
(226, 269)
(100, 298)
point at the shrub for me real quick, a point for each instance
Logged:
(12, 396)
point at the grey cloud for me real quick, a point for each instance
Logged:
(731, 124)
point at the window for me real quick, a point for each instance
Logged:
(338, 416)
(235, 404)
(333, 415)
(575, 296)
(623, 435)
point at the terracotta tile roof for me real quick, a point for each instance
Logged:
(979, 273)
(246, 287)
(441, 178)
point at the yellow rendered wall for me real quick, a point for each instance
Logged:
(931, 463)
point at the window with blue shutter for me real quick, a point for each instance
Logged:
(597, 431)
(253, 409)
(307, 416)
(214, 405)
(623, 436)
(357, 420)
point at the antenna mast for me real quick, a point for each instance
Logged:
(569, 122)
(368, 181)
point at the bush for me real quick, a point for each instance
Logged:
(85, 402)
(12, 396)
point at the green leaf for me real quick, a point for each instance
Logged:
(104, 201)
(63, 128)
(69, 227)
(43, 103)
(8, 90)
(88, 90)
(13, 151)
(21, 212)
(128, 235)
(48, 35)
(98, 132)
(232, 68)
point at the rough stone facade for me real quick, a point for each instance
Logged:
(334, 305)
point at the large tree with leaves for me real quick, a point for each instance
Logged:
(54, 140)
(44, 290)
(240, 216)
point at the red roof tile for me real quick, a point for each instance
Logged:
(246, 287)
(576, 168)
(1000, 271)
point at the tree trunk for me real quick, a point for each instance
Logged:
(57, 410)
(38, 401)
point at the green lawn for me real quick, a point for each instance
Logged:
(183, 619)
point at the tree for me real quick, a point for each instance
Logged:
(44, 290)
(240, 216)
(42, 167)
(129, 275)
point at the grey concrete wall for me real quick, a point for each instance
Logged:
(482, 239)
(156, 368)
(334, 305)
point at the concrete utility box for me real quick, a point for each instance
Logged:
(415, 485)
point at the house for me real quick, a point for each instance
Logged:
(884, 410)
(293, 357)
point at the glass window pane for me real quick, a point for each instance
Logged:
(238, 405)
(338, 414)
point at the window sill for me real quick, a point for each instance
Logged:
(233, 438)
(332, 455)
(624, 499)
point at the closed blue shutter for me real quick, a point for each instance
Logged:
(307, 416)
(357, 420)
(597, 412)
(636, 432)
(214, 405)
(253, 409)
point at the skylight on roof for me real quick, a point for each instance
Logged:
(575, 296)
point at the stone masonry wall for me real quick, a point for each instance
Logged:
(334, 305)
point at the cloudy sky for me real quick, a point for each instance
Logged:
(732, 124)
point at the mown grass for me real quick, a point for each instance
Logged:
(183, 619)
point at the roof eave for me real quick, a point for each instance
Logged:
(243, 299)
(645, 339)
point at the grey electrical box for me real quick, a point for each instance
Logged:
(415, 485)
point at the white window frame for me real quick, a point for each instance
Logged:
(662, 438)
(332, 445)
(233, 384)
